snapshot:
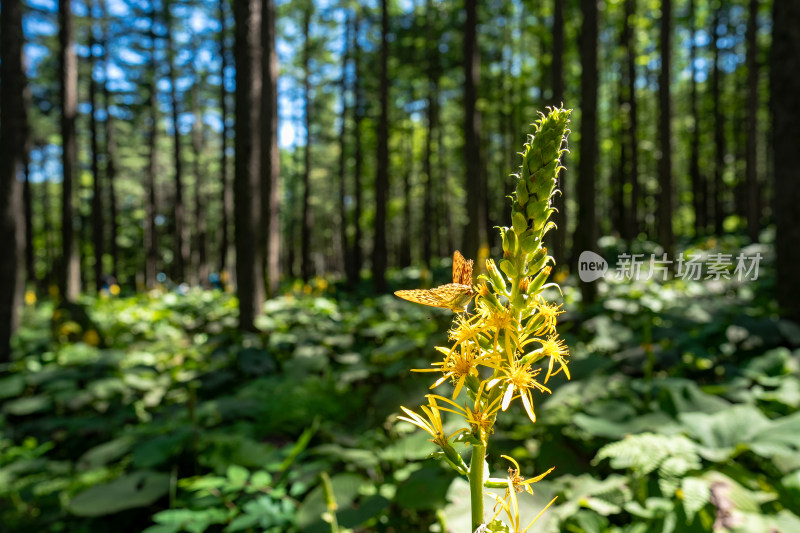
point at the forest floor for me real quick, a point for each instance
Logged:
(153, 413)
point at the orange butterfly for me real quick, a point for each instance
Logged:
(454, 296)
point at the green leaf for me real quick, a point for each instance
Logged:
(130, 491)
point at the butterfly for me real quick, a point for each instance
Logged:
(454, 296)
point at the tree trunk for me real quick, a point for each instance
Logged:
(270, 156)
(200, 248)
(13, 131)
(664, 206)
(306, 268)
(347, 257)
(111, 149)
(785, 108)
(476, 233)
(69, 278)
(97, 187)
(358, 115)
(585, 237)
(698, 186)
(181, 235)
(227, 196)
(247, 175)
(382, 172)
(27, 215)
(753, 191)
(719, 126)
(150, 206)
(432, 229)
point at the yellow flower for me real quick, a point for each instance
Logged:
(509, 503)
(519, 378)
(480, 417)
(557, 351)
(547, 314)
(459, 363)
(434, 423)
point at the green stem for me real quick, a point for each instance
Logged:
(476, 484)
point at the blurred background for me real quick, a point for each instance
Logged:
(205, 207)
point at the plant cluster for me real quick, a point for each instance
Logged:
(508, 348)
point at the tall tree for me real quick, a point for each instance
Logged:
(785, 108)
(433, 72)
(630, 143)
(111, 147)
(306, 214)
(227, 195)
(752, 196)
(247, 172)
(270, 156)
(699, 199)
(181, 235)
(13, 122)
(150, 205)
(69, 279)
(343, 225)
(382, 172)
(476, 233)
(97, 187)
(200, 248)
(717, 199)
(664, 206)
(358, 116)
(585, 237)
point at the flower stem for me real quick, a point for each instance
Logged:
(476, 474)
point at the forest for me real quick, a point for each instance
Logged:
(400, 266)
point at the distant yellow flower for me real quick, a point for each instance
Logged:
(114, 289)
(91, 338)
(30, 297)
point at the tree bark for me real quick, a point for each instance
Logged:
(270, 156)
(698, 186)
(476, 232)
(97, 187)
(753, 194)
(785, 109)
(13, 131)
(200, 248)
(227, 196)
(69, 278)
(111, 153)
(358, 115)
(306, 268)
(585, 237)
(150, 205)
(719, 126)
(247, 175)
(181, 235)
(432, 229)
(347, 257)
(379, 258)
(665, 204)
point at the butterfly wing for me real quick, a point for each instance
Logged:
(462, 269)
(423, 296)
